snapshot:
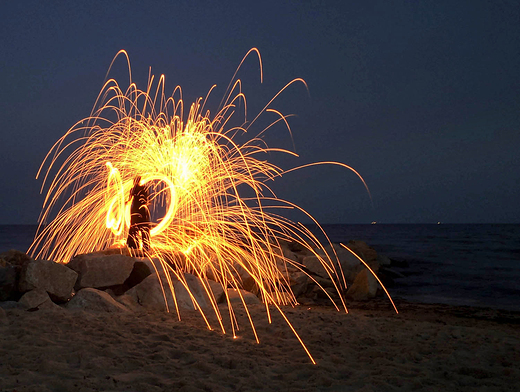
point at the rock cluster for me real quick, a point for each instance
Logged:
(115, 282)
(361, 283)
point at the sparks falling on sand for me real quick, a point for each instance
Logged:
(197, 174)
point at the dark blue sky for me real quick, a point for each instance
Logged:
(421, 97)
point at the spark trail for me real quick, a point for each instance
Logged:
(197, 173)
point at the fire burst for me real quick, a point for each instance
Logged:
(197, 173)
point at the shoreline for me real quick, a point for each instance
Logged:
(424, 347)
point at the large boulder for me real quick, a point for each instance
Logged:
(217, 291)
(8, 281)
(99, 271)
(299, 283)
(56, 279)
(11, 263)
(151, 295)
(14, 257)
(244, 278)
(350, 264)
(384, 261)
(287, 258)
(297, 249)
(365, 286)
(346, 258)
(364, 251)
(95, 300)
(314, 265)
(236, 296)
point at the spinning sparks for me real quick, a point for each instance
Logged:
(197, 174)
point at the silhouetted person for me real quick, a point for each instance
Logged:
(139, 216)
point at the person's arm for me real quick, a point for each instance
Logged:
(131, 195)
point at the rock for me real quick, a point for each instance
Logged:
(388, 276)
(299, 283)
(399, 263)
(294, 247)
(196, 287)
(35, 299)
(390, 273)
(99, 271)
(289, 258)
(314, 265)
(324, 295)
(350, 264)
(14, 257)
(95, 300)
(384, 260)
(11, 263)
(10, 305)
(234, 296)
(113, 250)
(246, 280)
(128, 301)
(56, 279)
(149, 294)
(8, 281)
(316, 268)
(3, 314)
(365, 286)
(217, 290)
(139, 273)
(364, 251)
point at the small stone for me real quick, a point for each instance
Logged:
(35, 299)
(127, 300)
(10, 305)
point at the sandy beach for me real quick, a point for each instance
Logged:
(424, 347)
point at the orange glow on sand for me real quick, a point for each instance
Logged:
(197, 173)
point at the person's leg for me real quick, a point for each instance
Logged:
(132, 241)
(145, 234)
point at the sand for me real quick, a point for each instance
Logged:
(425, 347)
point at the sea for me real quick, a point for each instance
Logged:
(456, 264)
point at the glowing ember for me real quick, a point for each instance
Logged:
(196, 173)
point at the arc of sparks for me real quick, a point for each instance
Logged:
(209, 228)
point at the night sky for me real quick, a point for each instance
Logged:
(421, 97)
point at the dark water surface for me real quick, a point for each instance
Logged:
(477, 264)
(463, 264)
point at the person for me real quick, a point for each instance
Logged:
(139, 216)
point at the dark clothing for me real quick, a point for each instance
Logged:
(139, 218)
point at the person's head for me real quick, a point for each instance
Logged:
(137, 180)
